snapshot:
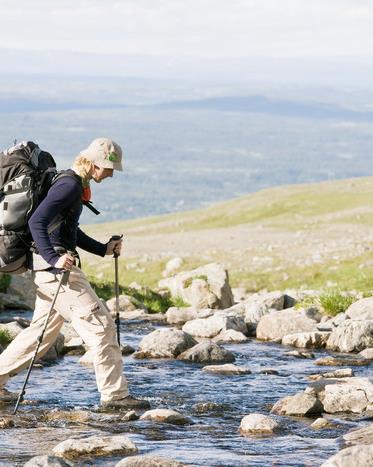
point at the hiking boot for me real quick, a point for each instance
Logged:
(128, 402)
(7, 397)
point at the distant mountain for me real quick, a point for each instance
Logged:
(261, 104)
(9, 105)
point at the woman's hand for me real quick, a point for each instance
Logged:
(114, 247)
(66, 261)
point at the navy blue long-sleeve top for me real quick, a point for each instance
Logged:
(62, 201)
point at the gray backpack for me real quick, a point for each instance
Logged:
(26, 173)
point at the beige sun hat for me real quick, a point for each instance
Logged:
(104, 153)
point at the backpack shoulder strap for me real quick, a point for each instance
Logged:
(71, 173)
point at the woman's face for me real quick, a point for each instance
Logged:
(100, 174)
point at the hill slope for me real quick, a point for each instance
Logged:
(300, 235)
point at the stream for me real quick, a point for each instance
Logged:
(213, 439)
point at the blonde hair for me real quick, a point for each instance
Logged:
(83, 167)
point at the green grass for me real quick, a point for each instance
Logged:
(5, 337)
(279, 206)
(153, 301)
(332, 302)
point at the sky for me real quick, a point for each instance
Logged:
(307, 29)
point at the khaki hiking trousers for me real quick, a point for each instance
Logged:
(77, 303)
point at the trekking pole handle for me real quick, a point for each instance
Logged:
(116, 237)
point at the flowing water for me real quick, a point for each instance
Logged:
(213, 439)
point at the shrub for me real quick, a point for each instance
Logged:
(332, 302)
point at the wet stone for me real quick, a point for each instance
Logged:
(269, 371)
(361, 436)
(299, 354)
(130, 416)
(342, 373)
(6, 422)
(95, 446)
(68, 416)
(206, 407)
(320, 423)
(342, 360)
(228, 369)
(47, 461)
(257, 423)
(127, 349)
(148, 461)
(166, 416)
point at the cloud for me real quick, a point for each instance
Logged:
(199, 28)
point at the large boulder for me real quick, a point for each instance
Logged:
(361, 310)
(277, 324)
(95, 446)
(125, 304)
(301, 404)
(148, 461)
(354, 456)
(361, 436)
(347, 395)
(257, 423)
(213, 325)
(306, 340)
(164, 343)
(351, 336)
(22, 286)
(204, 287)
(207, 352)
(180, 316)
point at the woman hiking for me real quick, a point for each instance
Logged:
(76, 301)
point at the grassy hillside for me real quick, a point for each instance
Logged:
(314, 235)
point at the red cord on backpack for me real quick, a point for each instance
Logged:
(86, 195)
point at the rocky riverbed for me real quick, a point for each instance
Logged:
(259, 382)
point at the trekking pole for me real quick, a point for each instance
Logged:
(117, 319)
(62, 281)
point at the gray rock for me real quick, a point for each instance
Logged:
(213, 325)
(262, 304)
(342, 373)
(361, 436)
(277, 324)
(355, 456)
(125, 304)
(227, 369)
(351, 336)
(299, 354)
(180, 316)
(47, 461)
(204, 287)
(207, 352)
(258, 423)
(230, 335)
(320, 423)
(164, 343)
(361, 310)
(166, 416)
(23, 287)
(367, 353)
(306, 340)
(96, 446)
(130, 416)
(13, 302)
(328, 324)
(74, 346)
(349, 395)
(330, 360)
(13, 328)
(301, 404)
(172, 266)
(148, 461)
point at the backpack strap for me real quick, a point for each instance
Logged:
(68, 173)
